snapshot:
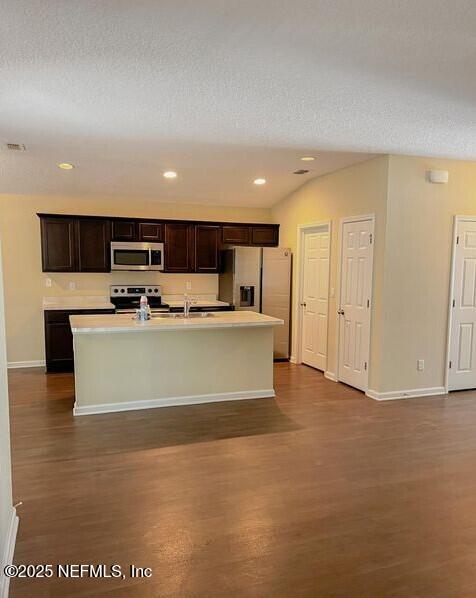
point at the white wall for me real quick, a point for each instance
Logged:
(8, 519)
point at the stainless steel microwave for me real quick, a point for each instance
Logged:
(137, 256)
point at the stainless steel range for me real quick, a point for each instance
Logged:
(126, 299)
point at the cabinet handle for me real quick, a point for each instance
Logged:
(303, 304)
(341, 312)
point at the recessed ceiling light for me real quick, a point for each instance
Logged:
(259, 181)
(308, 158)
(65, 166)
(170, 174)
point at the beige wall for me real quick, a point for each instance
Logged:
(25, 283)
(356, 190)
(412, 257)
(414, 224)
(6, 509)
(417, 260)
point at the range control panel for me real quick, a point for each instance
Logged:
(136, 291)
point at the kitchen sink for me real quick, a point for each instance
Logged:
(195, 314)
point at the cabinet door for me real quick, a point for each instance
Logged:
(151, 231)
(179, 247)
(58, 342)
(58, 245)
(236, 235)
(124, 230)
(94, 245)
(265, 235)
(207, 248)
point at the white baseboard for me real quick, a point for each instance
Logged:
(7, 553)
(330, 376)
(14, 365)
(406, 394)
(173, 401)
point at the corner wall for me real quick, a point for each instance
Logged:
(418, 262)
(25, 282)
(356, 190)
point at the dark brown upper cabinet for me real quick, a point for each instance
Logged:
(93, 240)
(179, 247)
(207, 245)
(124, 230)
(151, 231)
(82, 243)
(58, 244)
(236, 235)
(75, 244)
(265, 235)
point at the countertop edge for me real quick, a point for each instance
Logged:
(175, 327)
(76, 307)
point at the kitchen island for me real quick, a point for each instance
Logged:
(123, 364)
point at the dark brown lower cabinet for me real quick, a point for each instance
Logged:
(59, 338)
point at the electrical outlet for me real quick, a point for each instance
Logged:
(189, 285)
(48, 282)
(72, 286)
(420, 365)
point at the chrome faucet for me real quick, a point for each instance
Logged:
(187, 304)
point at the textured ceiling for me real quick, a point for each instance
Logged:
(227, 91)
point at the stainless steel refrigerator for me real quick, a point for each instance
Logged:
(259, 279)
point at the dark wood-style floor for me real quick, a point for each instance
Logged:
(321, 492)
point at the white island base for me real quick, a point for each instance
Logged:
(121, 364)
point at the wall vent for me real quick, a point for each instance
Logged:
(16, 147)
(300, 171)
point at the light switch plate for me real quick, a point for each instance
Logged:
(420, 365)
(189, 285)
(72, 286)
(48, 282)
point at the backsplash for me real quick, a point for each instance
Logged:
(98, 284)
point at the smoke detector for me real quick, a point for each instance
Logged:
(16, 147)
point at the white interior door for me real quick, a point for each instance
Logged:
(462, 373)
(355, 300)
(315, 298)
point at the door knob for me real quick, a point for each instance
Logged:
(303, 304)
(340, 312)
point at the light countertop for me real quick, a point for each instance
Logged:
(77, 302)
(115, 323)
(103, 302)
